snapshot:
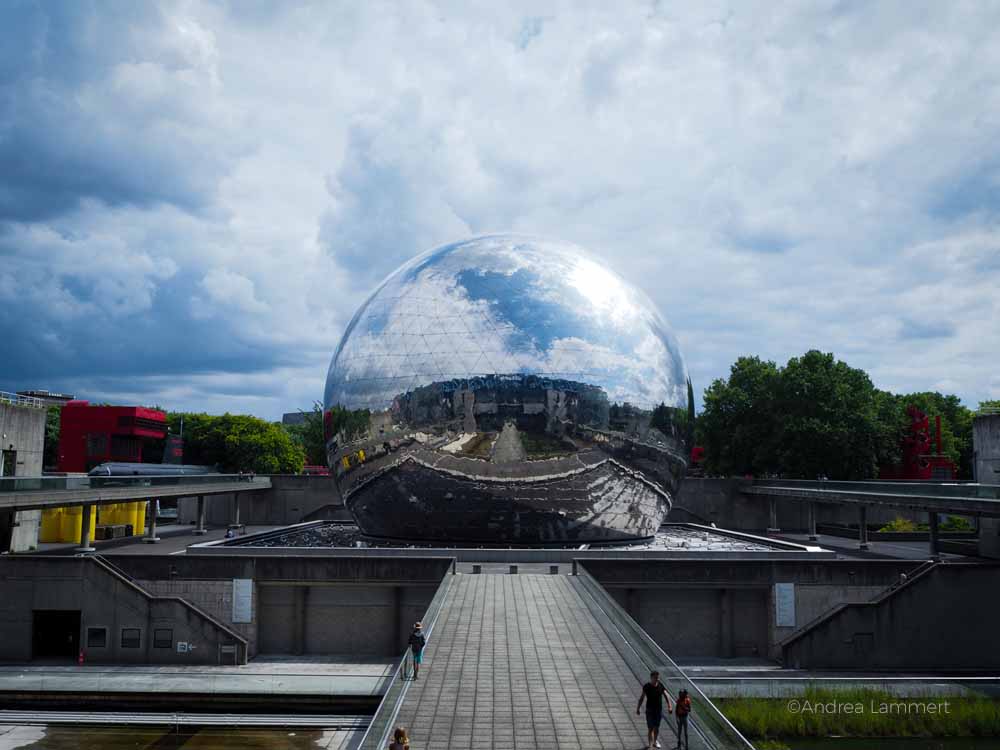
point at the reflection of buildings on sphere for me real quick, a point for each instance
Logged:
(507, 390)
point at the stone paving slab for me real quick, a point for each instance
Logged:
(517, 662)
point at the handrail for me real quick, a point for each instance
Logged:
(81, 482)
(127, 580)
(18, 400)
(930, 490)
(108, 564)
(643, 655)
(921, 571)
(376, 737)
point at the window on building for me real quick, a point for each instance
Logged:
(97, 637)
(130, 637)
(124, 446)
(163, 638)
(97, 444)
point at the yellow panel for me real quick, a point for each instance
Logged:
(51, 530)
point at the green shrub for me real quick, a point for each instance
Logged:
(899, 525)
(956, 523)
(771, 718)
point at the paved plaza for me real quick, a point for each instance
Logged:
(518, 662)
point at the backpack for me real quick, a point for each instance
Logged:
(417, 641)
(684, 707)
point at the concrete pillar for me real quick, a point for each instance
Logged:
(151, 538)
(811, 510)
(85, 531)
(632, 603)
(236, 508)
(932, 524)
(398, 633)
(727, 637)
(200, 528)
(862, 527)
(772, 514)
(299, 605)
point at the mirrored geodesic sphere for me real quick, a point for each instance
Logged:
(507, 390)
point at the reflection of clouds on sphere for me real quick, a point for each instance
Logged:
(503, 305)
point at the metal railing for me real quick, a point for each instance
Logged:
(377, 736)
(643, 655)
(18, 400)
(55, 484)
(929, 489)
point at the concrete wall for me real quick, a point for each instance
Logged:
(947, 619)
(304, 606)
(986, 465)
(291, 499)
(212, 597)
(701, 622)
(719, 501)
(986, 448)
(294, 499)
(339, 618)
(22, 429)
(724, 609)
(103, 599)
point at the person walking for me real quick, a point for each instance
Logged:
(399, 740)
(417, 642)
(683, 711)
(654, 693)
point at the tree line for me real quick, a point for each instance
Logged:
(817, 416)
(231, 442)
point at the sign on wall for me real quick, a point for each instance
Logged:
(242, 599)
(784, 605)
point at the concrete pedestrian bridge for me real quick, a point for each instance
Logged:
(19, 494)
(35, 493)
(536, 662)
(960, 498)
(933, 498)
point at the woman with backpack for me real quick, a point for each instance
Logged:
(417, 642)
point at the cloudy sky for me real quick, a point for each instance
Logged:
(194, 197)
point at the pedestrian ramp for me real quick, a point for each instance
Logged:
(532, 662)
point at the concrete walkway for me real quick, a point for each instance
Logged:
(517, 662)
(330, 677)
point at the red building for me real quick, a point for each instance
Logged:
(91, 435)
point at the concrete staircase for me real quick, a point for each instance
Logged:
(942, 616)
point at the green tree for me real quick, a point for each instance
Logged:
(829, 419)
(994, 404)
(348, 423)
(50, 454)
(739, 425)
(814, 416)
(309, 435)
(238, 442)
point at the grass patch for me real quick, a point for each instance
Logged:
(862, 712)
(479, 445)
(540, 445)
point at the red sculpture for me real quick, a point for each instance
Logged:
(918, 461)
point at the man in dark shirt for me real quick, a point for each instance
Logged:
(654, 693)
